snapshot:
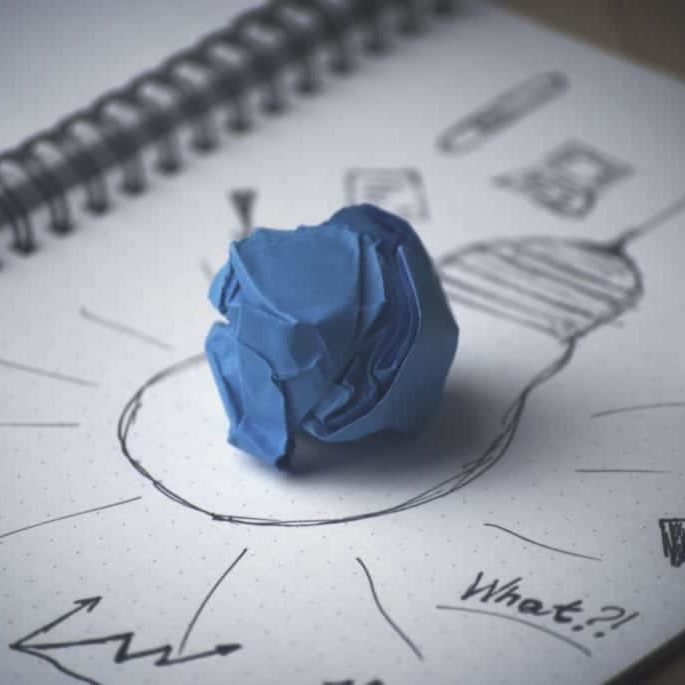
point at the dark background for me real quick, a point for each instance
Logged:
(647, 31)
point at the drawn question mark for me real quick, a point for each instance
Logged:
(610, 614)
(614, 614)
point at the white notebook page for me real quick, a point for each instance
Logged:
(540, 544)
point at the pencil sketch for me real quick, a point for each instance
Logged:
(572, 615)
(47, 373)
(397, 190)
(476, 128)
(516, 619)
(203, 604)
(352, 682)
(50, 651)
(569, 180)
(39, 424)
(410, 643)
(93, 510)
(613, 615)
(124, 329)
(563, 288)
(541, 544)
(638, 408)
(243, 200)
(206, 269)
(620, 471)
(673, 540)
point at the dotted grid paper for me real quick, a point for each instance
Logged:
(533, 534)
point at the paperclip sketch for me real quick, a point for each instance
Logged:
(504, 111)
(563, 288)
(569, 180)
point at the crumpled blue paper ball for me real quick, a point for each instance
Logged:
(339, 330)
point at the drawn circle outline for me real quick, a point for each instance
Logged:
(467, 473)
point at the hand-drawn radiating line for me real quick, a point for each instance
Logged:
(69, 516)
(541, 544)
(656, 220)
(207, 270)
(200, 609)
(54, 375)
(638, 408)
(620, 471)
(124, 329)
(385, 615)
(515, 619)
(38, 424)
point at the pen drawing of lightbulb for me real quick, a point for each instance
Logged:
(561, 288)
(558, 289)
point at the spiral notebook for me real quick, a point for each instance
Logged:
(534, 533)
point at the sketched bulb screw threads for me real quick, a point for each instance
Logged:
(564, 288)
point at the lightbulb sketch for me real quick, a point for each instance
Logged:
(561, 288)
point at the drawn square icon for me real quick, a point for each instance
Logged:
(398, 190)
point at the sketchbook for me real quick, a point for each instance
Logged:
(534, 533)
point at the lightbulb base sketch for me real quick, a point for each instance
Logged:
(215, 481)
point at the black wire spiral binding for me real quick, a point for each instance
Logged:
(253, 52)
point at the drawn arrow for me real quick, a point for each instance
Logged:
(89, 603)
(164, 653)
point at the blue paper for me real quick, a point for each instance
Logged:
(339, 330)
